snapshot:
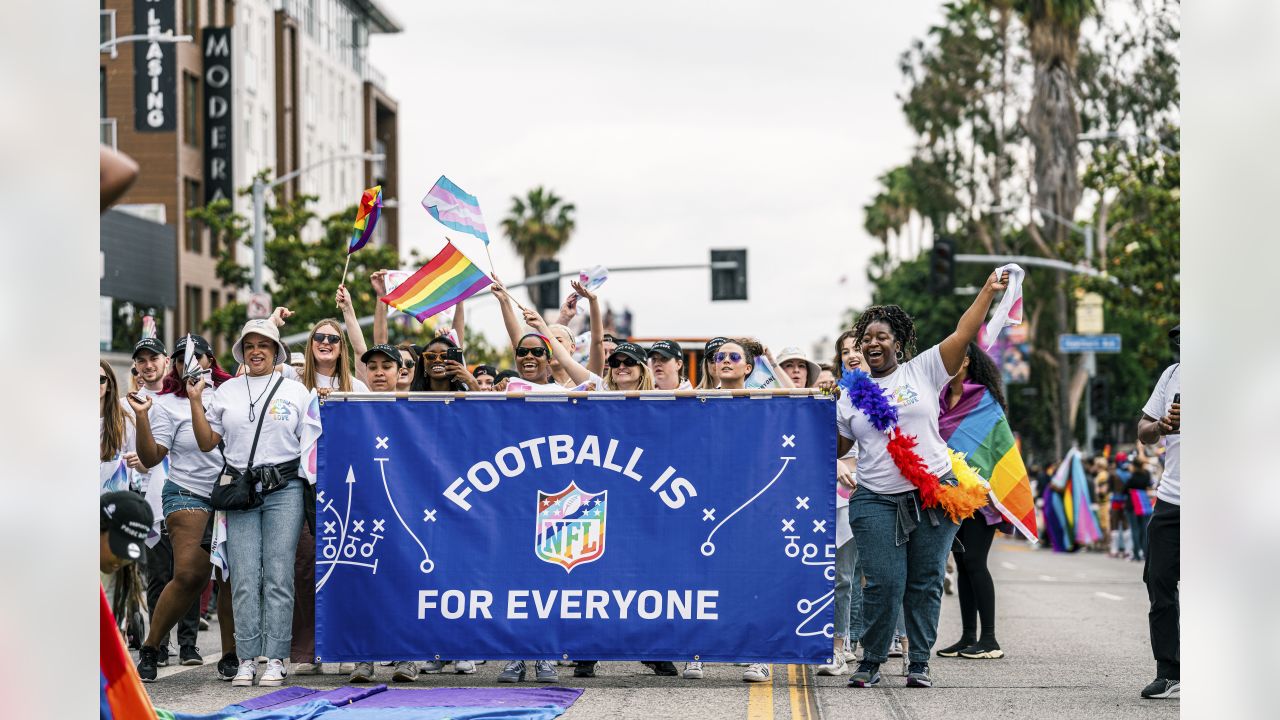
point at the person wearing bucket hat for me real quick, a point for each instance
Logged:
(124, 519)
(666, 362)
(802, 371)
(259, 419)
(626, 369)
(179, 567)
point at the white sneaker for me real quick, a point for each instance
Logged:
(838, 667)
(895, 650)
(757, 672)
(434, 667)
(692, 671)
(274, 675)
(244, 676)
(464, 667)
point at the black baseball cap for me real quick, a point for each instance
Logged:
(503, 374)
(667, 348)
(202, 346)
(390, 351)
(713, 344)
(126, 518)
(489, 370)
(152, 344)
(629, 349)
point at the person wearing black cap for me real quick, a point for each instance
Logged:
(124, 519)
(626, 369)
(666, 362)
(501, 379)
(486, 376)
(178, 568)
(1162, 422)
(382, 365)
(708, 379)
(151, 363)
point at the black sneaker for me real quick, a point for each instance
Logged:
(189, 655)
(954, 650)
(584, 669)
(1162, 688)
(918, 675)
(228, 666)
(665, 668)
(867, 675)
(147, 657)
(162, 656)
(983, 650)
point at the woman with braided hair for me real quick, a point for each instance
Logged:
(908, 503)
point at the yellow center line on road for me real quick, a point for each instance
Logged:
(760, 700)
(799, 692)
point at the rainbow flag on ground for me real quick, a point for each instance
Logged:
(367, 215)
(455, 208)
(121, 696)
(977, 427)
(442, 283)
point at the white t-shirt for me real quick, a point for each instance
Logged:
(325, 381)
(1158, 405)
(914, 388)
(280, 440)
(189, 468)
(114, 474)
(144, 478)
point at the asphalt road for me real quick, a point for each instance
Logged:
(1073, 627)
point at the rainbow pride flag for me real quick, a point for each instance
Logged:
(367, 215)
(977, 427)
(442, 283)
(121, 696)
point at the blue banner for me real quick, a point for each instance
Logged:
(594, 529)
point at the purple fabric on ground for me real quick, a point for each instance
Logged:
(288, 696)
(472, 697)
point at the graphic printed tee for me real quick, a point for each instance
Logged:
(280, 440)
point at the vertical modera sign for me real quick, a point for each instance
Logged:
(217, 115)
(155, 90)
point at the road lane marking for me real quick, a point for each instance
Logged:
(1008, 565)
(1048, 578)
(760, 699)
(1108, 596)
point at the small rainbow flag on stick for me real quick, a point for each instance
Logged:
(442, 283)
(366, 218)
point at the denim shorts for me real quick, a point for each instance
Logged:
(174, 497)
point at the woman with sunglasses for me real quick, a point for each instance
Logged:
(408, 361)
(626, 369)
(116, 443)
(559, 333)
(164, 430)
(327, 362)
(731, 364)
(576, 374)
(436, 372)
(261, 542)
(408, 351)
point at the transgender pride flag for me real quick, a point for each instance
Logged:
(455, 209)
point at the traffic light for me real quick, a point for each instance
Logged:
(546, 294)
(729, 283)
(942, 266)
(1099, 397)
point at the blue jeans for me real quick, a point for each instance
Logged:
(1138, 524)
(261, 544)
(174, 497)
(903, 551)
(848, 597)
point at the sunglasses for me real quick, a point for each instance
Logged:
(409, 363)
(102, 379)
(432, 356)
(327, 338)
(536, 351)
(618, 361)
(732, 357)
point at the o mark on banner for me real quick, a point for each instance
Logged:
(708, 514)
(428, 515)
(382, 443)
(802, 503)
(788, 525)
(788, 441)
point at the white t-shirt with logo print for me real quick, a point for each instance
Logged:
(914, 388)
(1158, 405)
(189, 468)
(280, 440)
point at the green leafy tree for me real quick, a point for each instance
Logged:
(538, 226)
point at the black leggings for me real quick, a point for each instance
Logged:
(977, 590)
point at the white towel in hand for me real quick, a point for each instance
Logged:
(1009, 311)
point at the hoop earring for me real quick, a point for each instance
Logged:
(899, 355)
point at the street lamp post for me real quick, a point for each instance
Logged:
(260, 188)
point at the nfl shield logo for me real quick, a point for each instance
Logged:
(569, 528)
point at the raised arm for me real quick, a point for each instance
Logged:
(954, 346)
(206, 438)
(508, 312)
(354, 332)
(379, 280)
(784, 380)
(595, 355)
(460, 323)
(576, 372)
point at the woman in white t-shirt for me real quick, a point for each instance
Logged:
(164, 430)
(326, 363)
(116, 452)
(261, 542)
(902, 545)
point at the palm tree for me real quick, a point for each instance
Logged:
(538, 226)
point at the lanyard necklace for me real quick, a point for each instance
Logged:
(249, 392)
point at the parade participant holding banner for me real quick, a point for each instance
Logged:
(709, 381)
(576, 375)
(259, 418)
(485, 376)
(441, 368)
(902, 513)
(802, 371)
(666, 362)
(164, 430)
(627, 369)
(326, 365)
(408, 361)
(732, 362)
(382, 367)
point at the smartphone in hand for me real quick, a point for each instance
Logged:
(454, 354)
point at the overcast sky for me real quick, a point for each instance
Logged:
(675, 127)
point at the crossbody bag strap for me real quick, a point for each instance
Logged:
(254, 449)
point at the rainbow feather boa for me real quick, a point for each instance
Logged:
(958, 501)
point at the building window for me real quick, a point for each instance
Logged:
(190, 16)
(191, 191)
(194, 308)
(191, 109)
(213, 301)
